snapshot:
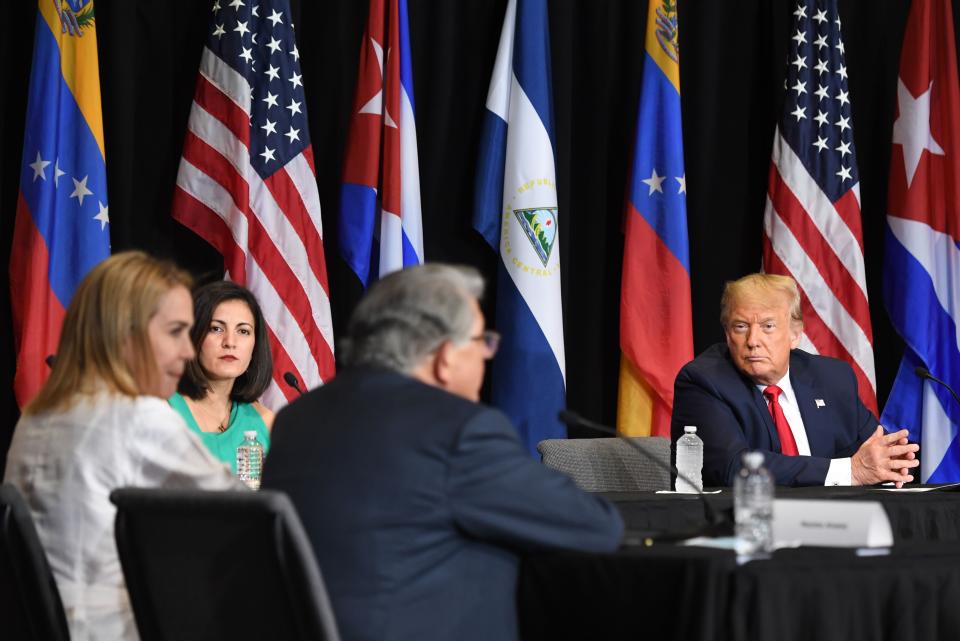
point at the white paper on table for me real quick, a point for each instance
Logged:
(688, 493)
(931, 488)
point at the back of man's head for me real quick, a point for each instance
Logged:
(408, 314)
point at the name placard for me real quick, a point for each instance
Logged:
(854, 524)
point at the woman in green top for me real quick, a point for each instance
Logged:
(218, 393)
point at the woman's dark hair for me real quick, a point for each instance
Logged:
(250, 385)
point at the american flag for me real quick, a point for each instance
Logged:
(247, 183)
(811, 225)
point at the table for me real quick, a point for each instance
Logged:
(910, 593)
(700, 594)
(914, 516)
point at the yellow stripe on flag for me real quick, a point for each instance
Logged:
(80, 67)
(634, 402)
(661, 41)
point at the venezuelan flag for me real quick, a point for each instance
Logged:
(656, 335)
(61, 228)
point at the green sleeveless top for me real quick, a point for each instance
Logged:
(224, 445)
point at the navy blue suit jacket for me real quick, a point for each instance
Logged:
(417, 503)
(731, 416)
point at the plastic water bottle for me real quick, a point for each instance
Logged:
(250, 460)
(690, 460)
(753, 506)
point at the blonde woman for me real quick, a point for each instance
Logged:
(102, 422)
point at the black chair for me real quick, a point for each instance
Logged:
(30, 607)
(219, 565)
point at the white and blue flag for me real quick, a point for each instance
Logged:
(516, 212)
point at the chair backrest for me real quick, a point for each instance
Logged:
(609, 464)
(219, 565)
(30, 607)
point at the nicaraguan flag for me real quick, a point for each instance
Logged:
(380, 227)
(516, 211)
(62, 221)
(922, 259)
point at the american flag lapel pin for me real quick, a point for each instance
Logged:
(819, 402)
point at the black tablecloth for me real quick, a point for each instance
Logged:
(908, 593)
(662, 592)
(911, 595)
(807, 594)
(914, 516)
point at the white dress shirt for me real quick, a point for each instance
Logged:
(66, 463)
(839, 472)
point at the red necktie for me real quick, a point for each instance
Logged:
(788, 446)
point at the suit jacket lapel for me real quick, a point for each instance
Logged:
(761, 404)
(806, 389)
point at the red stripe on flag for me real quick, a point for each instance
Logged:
(834, 272)
(293, 207)
(209, 161)
(37, 312)
(205, 222)
(308, 155)
(391, 192)
(221, 107)
(848, 207)
(282, 363)
(656, 331)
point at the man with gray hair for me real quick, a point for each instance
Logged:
(417, 498)
(759, 392)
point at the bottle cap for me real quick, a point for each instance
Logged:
(753, 460)
(250, 434)
(689, 429)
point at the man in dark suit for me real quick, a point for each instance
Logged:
(759, 392)
(416, 498)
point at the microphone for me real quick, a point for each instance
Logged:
(291, 379)
(50, 360)
(717, 525)
(923, 372)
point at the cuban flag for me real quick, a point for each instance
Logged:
(62, 221)
(922, 257)
(656, 325)
(516, 212)
(380, 227)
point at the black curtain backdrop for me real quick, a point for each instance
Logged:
(733, 60)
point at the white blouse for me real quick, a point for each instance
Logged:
(67, 463)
